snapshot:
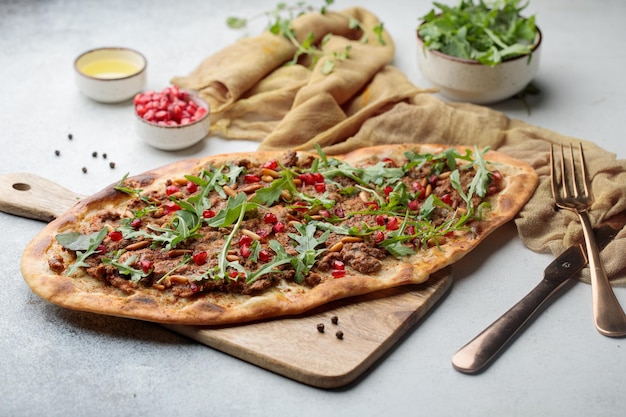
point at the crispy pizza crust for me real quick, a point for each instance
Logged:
(82, 292)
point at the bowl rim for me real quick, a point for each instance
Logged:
(112, 48)
(473, 61)
(195, 98)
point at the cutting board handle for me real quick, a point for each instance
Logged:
(34, 197)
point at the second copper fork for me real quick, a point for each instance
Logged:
(608, 315)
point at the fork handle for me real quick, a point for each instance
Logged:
(608, 315)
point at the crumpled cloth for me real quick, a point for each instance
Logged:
(366, 101)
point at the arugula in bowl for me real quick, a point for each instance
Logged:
(488, 32)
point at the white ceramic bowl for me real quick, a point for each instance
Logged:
(110, 75)
(469, 81)
(174, 137)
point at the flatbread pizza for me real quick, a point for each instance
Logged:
(241, 237)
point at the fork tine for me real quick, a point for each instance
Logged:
(572, 167)
(564, 186)
(583, 167)
(553, 180)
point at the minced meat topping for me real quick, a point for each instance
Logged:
(242, 228)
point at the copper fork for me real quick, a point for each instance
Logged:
(609, 318)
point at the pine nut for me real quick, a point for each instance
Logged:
(139, 245)
(250, 234)
(351, 239)
(229, 191)
(270, 172)
(178, 279)
(250, 188)
(337, 247)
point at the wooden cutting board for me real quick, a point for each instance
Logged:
(292, 346)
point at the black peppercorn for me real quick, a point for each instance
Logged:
(85, 170)
(339, 334)
(112, 165)
(94, 154)
(70, 136)
(57, 152)
(320, 327)
(334, 319)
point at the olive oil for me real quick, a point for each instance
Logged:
(110, 68)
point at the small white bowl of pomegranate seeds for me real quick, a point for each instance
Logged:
(171, 119)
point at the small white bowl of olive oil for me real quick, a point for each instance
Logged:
(110, 75)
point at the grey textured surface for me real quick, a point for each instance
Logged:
(56, 362)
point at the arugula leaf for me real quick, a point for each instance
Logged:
(135, 192)
(270, 267)
(77, 242)
(306, 248)
(125, 268)
(235, 208)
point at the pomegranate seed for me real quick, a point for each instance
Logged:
(251, 179)
(146, 265)
(338, 273)
(496, 177)
(380, 220)
(245, 251)
(379, 236)
(264, 255)
(320, 187)
(233, 274)
(262, 233)
(194, 288)
(171, 189)
(192, 187)
(339, 212)
(273, 164)
(318, 178)
(171, 207)
(388, 189)
(135, 224)
(414, 205)
(446, 199)
(279, 227)
(390, 162)
(200, 258)
(392, 224)
(208, 214)
(418, 188)
(432, 180)
(245, 240)
(325, 213)
(339, 265)
(372, 205)
(410, 230)
(101, 249)
(270, 218)
(301, 206)
(307, 178)
(116, 236)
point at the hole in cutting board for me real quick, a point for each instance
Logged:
(20, 186)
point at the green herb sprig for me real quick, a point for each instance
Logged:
(279, 23)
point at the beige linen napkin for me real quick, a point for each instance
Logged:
(365, 101)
